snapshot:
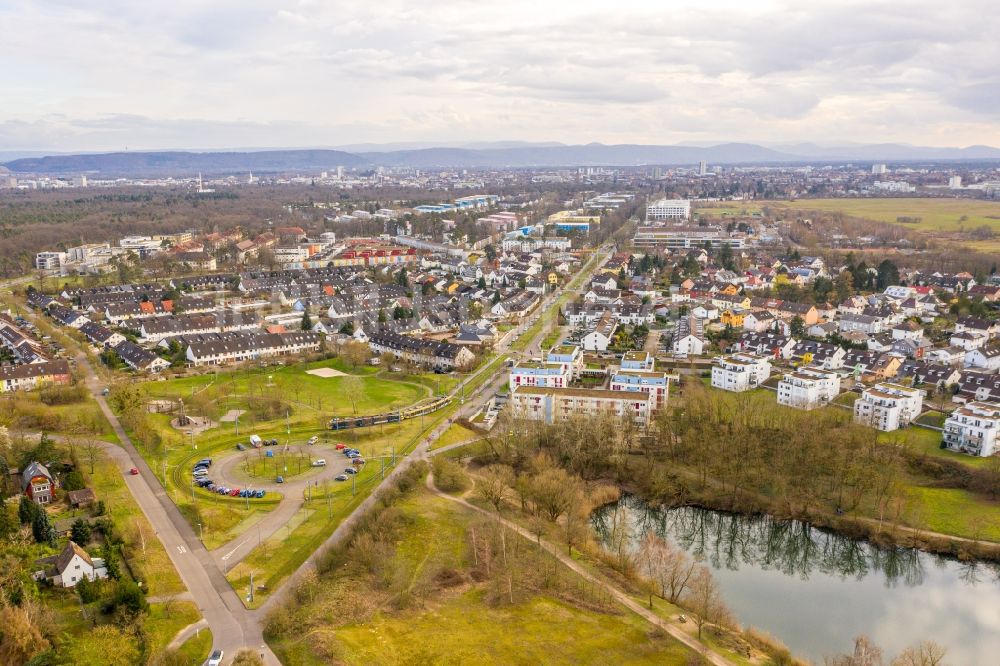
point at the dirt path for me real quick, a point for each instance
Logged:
(622, 598)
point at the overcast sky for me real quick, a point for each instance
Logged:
(106, 75)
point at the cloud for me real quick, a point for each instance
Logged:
(187, 73)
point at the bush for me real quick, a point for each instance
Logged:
(449, 475)
(63, 395)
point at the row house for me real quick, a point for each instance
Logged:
(140, 359)
(888, 407)
(775, 345)
(156, 329)
(432, 353)
(30, 376)
(602, 334)
(689, 337)
(984, 358)
(101, 336)
(930, 374)
(808, 388)
(241, 346)
(978, 386)
(823, 355)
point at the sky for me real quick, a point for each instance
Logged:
(171, 74)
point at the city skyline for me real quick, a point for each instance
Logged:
(235, 75)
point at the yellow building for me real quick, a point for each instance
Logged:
(732, 318)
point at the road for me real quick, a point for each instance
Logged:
(233, 626)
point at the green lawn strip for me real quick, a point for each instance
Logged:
(166, 619)
(924, 440)
(195, 649)
(454, 434)
(935, 214)
(151, 564)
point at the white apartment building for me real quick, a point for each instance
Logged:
(740, 372)
(539, 373)
(49, 261)
(553, 405)
(808, 388)
(973, 429)
(654, 383)
(668, 209)
(888, 406)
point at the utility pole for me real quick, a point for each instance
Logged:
(354, 484)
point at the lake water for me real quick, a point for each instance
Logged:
(816, 591)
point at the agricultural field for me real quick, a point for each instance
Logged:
(935, 215)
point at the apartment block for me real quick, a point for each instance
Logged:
(554, 405)
(808, 388)
(888, 406)
(740, 372)
(973, 429)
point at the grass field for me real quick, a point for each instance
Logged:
(454, 434)
(728, 209)
(351, 620)
(195, 649)
(936, 215)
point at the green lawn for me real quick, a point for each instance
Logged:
(929, 442)
(953, 511)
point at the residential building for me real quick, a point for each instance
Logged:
(571, 355)
(689, 337)
(432, 353)
(888, 406)
(29, 376)
(973, 428)
(37, 484)
(653, 383)
(740, 372)
(808, 388)
(637, 360)
(71, 566)
(601, 336)
(553, 405)
(540, 373)
(241, 346)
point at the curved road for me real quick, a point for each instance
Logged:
(233, 626)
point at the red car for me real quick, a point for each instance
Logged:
(234, 492)
(134, 471)
(341, 447)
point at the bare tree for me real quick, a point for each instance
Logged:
(927, 653)
(494, 484)
(704, 600)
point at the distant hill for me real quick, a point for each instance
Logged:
(186, 163)
(471, 155)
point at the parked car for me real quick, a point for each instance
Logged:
(340, 477)
(272, 442)
(207, 462)
(350, 470)
(280, 479)
(234, 492)
(341, 446)
(256, 441)
(358, 461)
(134, 471)
(312, 440)
(216, 658)
(240, 447)
(319, 463)
(261, 493)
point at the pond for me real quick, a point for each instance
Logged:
(816, 590)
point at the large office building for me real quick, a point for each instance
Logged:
(668, 209)
(681, 238)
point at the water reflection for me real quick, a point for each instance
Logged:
(816, 590)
